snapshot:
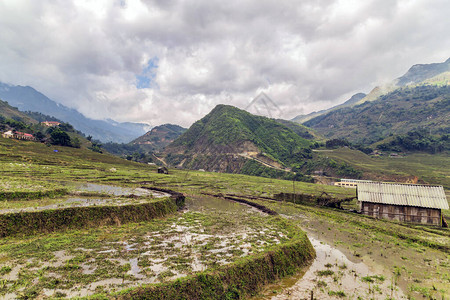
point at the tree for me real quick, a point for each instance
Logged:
(39, 136)
(59, 137)
(76, 143)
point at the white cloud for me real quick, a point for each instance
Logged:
(305, 55)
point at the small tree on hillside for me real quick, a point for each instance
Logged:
(59, 137)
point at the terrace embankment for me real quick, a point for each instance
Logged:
(49, 220)
(306, 199)
(26, 195)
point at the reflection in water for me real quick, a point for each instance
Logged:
(218, 205)
(332, 274)
(118, 190)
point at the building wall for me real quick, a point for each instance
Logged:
(411, 214)
(346, 184)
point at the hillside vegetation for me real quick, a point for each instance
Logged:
(228, 131)
(7, 111)
(11, 119)
(159, 137)
(398, 112)
(415, 167)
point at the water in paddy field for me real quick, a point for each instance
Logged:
(217, 204)
(77, 201)
(118, 190)
(333, 276)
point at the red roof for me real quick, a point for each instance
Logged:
(25, 134)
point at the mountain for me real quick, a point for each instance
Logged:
(354, 99)
(29, 127)
(26, 98)
(159, 137)
(232, 140)
(398, 112)
(420, 74)
(7, 111)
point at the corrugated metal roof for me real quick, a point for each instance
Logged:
(403, 194)
(355, 180)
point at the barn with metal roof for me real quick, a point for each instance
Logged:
(403, 202)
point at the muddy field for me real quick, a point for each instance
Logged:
(377, 265)
(208, 233)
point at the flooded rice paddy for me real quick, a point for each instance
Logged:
(209, 233)
(85, 194)
(333, 275)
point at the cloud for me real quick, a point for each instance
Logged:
(173, 61)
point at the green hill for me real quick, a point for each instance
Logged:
(7, 111)
(11, 119)
(421, 72)
(229, 140)
(398, 112)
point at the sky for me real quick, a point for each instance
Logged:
(172, 61)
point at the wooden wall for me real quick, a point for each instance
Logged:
(411, 214)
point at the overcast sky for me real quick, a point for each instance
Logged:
(172, 61)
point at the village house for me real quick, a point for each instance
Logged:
(163, 170)
(50, 123)
(24, 136)
(403, 202)
(8, 134)
(18, 135)
(350, 183)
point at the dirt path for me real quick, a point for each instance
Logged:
(262, 162)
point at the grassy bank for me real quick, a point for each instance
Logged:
(28, 195)
(26, 223)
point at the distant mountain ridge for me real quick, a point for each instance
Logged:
(26, 98)
(8, 111)
(353, 99)
(435, 73)
(422, 72)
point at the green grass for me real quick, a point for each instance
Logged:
(28, 161)
(427, 167)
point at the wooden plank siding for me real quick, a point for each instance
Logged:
(410, 214)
